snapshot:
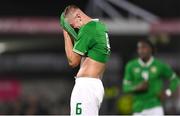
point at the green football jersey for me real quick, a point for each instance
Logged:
(154, 72)
(93, 41)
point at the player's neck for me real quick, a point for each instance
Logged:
(146, 59)
(86, 20)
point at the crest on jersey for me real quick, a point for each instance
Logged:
(137, 70)
(153, 69)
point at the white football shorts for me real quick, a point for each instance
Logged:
(87, 96)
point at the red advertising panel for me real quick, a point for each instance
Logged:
(10, 90)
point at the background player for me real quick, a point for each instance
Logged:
(92, 42)
(144, 79)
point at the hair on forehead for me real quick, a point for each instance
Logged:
(149, 43)
(70, 9)
(146, 41)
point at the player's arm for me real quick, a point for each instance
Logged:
(73, 58)
(172, 77)
(128, 84)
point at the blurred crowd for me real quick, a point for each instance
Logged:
(26, 106)
(33, 105)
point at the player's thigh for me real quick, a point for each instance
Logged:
(83, 102)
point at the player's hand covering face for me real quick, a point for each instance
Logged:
(66, 26)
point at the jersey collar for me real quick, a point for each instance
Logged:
(94, 19)
(143, 64)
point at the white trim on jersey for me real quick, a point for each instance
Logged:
(78, 52)
(146, 64)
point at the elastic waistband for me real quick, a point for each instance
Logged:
(89, 82)
(87, 79)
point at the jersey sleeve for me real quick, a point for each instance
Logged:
(128, 85)
(81, 46)
(171, 75)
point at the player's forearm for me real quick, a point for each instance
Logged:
(174, 83)
(68, 46)
(68, 50)
(143, 86)
(73, 58)
(135, 88)
(128, 88)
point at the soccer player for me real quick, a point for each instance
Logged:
(144, 79)
(91, 44)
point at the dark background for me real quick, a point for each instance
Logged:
(162, 8)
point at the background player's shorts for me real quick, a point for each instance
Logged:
(156, 111)
(86, 96)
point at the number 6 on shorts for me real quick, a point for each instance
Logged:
(78, 109)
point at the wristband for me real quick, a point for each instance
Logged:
(168, 92)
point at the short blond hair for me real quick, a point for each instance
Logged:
(69, 10)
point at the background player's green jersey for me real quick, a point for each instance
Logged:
(154, 72)
(93, 41)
